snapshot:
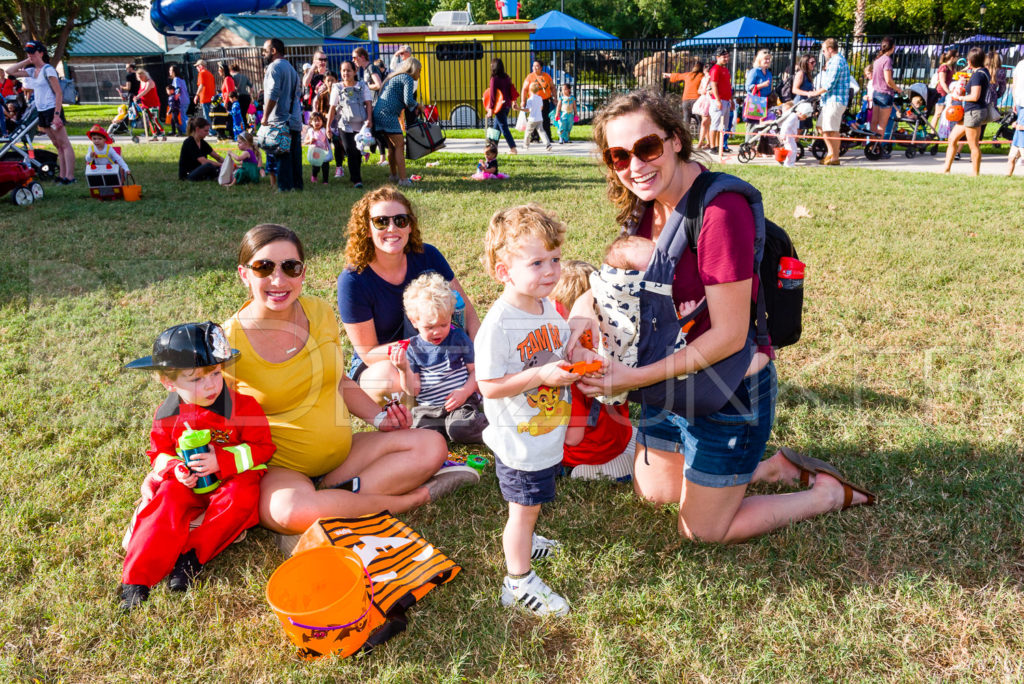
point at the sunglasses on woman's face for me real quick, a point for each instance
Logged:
(292, 268)
(382, 222)
(646, 149)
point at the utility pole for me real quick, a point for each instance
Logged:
(792, 46)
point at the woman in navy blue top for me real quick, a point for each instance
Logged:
(385, 253)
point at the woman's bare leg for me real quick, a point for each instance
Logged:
(974, 143)
(380, 380)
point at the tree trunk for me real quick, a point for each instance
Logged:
(859, 20)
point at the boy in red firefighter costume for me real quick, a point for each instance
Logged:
(187, 359)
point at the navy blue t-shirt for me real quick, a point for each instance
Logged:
(366, 296)
(442, 368)
(979, 78)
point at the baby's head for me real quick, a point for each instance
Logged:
(575, 281)
(522, 249)
(629, 252)
(491, 150)
(917, 102)
(429, 304)
(534, 88)
(233, 96)
(169, 90)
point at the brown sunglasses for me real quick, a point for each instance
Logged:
(292, 268)
(646, 149)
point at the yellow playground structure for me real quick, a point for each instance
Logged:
(457, 63)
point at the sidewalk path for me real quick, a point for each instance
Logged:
(991, 164)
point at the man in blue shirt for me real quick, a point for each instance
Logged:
(283, 105)
(835, 92)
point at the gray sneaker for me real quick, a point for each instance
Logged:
(286, 542)
(450, 478)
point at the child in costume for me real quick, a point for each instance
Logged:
(437, 366)
(188, 360)
(237, 115)
(173, 110)
(487, 168)
(565, 113)
(789, 128)
(520, 366)
(102, 150)
(247, 160)
(317, 136)
(600, 442)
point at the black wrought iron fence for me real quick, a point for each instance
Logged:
(456, 74)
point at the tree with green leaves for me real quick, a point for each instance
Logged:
(54, 22)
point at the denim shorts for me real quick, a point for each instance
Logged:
(883, 99)
(721, 449)
(527, 487)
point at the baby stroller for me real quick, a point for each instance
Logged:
(906, 123)
(129, 115)
(1004, 127)
(18, 147)
(848, 128)
(764, 138)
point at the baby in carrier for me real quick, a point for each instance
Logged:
(616, 288)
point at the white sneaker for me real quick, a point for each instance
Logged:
(619, 469)
(542, 547)
(532, 594)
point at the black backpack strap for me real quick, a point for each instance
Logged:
(692, 224)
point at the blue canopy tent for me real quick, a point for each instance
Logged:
(560, 31)
(744, 31)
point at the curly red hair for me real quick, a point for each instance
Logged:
(359, 249)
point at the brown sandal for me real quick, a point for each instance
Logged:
(808, 466)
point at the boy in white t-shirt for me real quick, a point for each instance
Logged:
(520, 368)
(535, 118)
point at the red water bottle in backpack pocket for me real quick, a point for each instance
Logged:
(791, 273)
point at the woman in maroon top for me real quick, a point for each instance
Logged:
(705, 464)
(942, 83)
(501, 84)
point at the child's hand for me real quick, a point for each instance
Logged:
(687, 308)
(456, 399)
(398, 357)
(553, 375)
(184, 476)
(204, 463)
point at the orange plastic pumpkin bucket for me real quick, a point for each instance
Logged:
(954, 113)
(323, 597)
(132, 193)
(780, 154)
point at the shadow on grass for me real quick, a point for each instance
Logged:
(842, 395)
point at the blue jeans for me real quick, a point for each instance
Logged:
(721, 449)
(205, 108)
(502, 117)
(289, 166)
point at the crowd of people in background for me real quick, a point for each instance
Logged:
(368, 96)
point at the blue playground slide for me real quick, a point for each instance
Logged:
(168, 16)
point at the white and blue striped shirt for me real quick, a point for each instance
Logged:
(441, 367)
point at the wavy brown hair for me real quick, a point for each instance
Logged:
(664, 111)
(359, 250)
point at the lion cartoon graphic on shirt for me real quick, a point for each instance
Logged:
(552, 411)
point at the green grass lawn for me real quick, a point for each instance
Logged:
(908, 377)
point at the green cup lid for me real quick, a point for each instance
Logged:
(193, 439)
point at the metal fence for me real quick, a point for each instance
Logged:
(456, 75)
